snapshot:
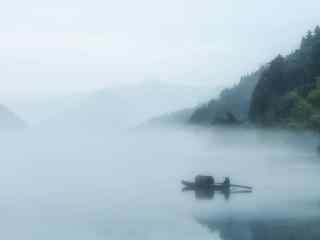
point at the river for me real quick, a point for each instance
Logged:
(101, 185)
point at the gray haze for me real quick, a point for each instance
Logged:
(99, 184)
(66, 47)
(83, 73)
(127, 105)
(87, 174)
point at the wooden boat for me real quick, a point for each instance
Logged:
(218, 187)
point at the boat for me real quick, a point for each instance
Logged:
(215, 187)
(205, 187)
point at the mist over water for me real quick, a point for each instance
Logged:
(95, 99)
(61, 184)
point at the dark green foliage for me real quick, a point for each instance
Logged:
(285, 92)
(300, 112)
(235, 100)
(314, 122)
(271, 79)
(314, 97)
(202, 114)
(273, 101)
(227, 119)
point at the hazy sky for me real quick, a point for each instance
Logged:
(65, 46)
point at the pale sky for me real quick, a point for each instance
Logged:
(67, 46)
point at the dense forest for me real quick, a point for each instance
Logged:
(235, 101)
(284, 92)
(288, 92)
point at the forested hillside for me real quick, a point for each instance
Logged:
(284, 92)
(235, 101)
(288, 92)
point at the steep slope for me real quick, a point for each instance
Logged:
(287, 93)
(235, 100)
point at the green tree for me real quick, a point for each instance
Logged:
(314, 96)
(307, 40)
(317, 31)
(302, 110)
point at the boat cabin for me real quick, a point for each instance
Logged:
(203, 181)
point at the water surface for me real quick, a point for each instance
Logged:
(101, 185)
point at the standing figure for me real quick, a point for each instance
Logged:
(226, 182)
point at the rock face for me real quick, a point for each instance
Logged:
(10, 121)
(234, 101)
(281, 94)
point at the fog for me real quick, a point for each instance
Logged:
(121, 107)
(91, 182)
(69, 46)
(91, 78)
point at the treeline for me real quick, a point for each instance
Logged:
(288, 92)
(284, 92)
(234, 101)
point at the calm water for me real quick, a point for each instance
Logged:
(98, 185)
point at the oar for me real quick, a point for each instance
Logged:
(241, 191)
(240, 186)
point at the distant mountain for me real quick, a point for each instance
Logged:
(124, 107)
(9, 120)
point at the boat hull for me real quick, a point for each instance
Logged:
(215, 187)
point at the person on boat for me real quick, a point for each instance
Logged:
(226, 182)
